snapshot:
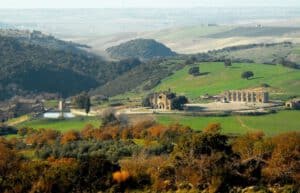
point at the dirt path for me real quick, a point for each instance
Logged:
(18, 120)
(238, 118)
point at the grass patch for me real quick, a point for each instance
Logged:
(51, 104)
(62, 125)
(143, 142)
(270, 124)
(29, 154)
(284, 81)
(10, 136)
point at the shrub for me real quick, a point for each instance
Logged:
(120, 176)
(195, 71)
(227, 62)
(247, 74)
(178, 102)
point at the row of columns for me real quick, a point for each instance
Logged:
(242, 96)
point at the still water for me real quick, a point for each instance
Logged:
(56, 115)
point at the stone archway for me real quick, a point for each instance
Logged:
(161, 106)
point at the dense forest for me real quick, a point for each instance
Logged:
(143, 49)
(148, 157)
(27, 68)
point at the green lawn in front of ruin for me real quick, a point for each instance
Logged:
(62, 125)
(271, 124)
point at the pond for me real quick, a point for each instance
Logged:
(56, 115)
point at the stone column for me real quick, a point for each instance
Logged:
(248, 97)
(243, 96)
(234, 96)
(253, 97)
(266, 97)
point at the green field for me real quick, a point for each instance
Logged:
(271, 124)
(284, 81)
(62, 125)
(51, 104)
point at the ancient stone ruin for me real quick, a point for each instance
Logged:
(162, 100)
(293, 104)
(250, 96)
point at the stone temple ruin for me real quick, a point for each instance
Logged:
(249, 96)
(162, 100)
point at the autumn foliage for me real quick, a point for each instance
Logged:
(148, 156)
(120, 176)
(69, 136)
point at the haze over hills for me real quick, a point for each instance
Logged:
(186, 30)
(100, 22)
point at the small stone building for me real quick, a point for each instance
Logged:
(162, 100)
(251, 96)
(293, 104)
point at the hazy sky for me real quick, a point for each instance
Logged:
(140, 3)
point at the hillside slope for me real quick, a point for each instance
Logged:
(272, 53)
(143, 77)
(31, 68)
(255, 32)
(140, 48)
(284, 81)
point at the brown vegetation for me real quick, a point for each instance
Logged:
(167, 159)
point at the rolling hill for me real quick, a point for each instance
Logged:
(144, 49)
(255, 32)
(271, 53)
(284, 82)
(267, 57)
(28, 67)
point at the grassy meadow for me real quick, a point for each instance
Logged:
(62, 125)
(283, 81)
(270, 124)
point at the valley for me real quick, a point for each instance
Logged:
(150, 100)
